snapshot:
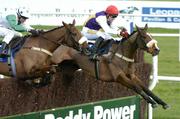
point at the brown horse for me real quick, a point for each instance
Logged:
(33, 58)
(121, 67)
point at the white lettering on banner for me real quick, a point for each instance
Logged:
(71, 115)
(161, 19)
(126, 112)
(164, 12)
(154, 19)
(176, 19)
(49, 116)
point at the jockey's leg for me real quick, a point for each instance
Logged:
(104, 46)
(4, 45)
(96, 48)
(8, 35)
(98, 44)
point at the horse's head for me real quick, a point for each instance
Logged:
(73, 35)
(145, 41)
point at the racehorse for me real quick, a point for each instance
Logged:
(118, 64)
(33, 58)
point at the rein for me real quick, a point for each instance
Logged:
(73, 40)
(44, 50)
(114, 52)
(57, 43)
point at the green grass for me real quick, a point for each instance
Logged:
(168, 65)
(168, 62)
(169, 92)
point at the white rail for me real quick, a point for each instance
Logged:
(165, 34)
(167, 78)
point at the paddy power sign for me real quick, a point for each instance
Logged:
(124, 112)
(126, 108)
(121, 108)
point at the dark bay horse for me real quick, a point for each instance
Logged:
(121, 68)
(33, 59)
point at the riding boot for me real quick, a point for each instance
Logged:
(85, 51)
(96, 47)
(3, 51)
(105, 46)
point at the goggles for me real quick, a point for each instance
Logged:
(114, 16)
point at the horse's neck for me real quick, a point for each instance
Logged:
(55, 34)
(128, 48)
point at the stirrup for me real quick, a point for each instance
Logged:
(4, 54)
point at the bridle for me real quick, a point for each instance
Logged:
(121, 56)
(71, 37)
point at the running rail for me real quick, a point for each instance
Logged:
(153, 84)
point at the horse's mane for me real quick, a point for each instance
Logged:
(59, 27)
(124, 39)
(132, 33)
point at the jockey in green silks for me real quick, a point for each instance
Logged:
(11, 25)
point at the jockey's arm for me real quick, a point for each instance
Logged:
(13, 22)
(107, 29)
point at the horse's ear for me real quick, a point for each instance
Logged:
(137, 28)
(74, 22)
(146, 27)
(64, 24)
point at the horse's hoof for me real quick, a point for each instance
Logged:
(154, 105)
(166, 106)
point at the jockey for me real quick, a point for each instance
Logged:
(11, 25)
(100, 29)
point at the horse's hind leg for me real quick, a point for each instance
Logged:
(150, 93)
(124, 80)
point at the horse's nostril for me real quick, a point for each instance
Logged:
(156, 52)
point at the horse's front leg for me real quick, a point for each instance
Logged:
(147, 91)
(126, 81)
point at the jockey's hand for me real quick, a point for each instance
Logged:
(124, 33)
(34, 32)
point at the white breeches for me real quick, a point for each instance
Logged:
(95, 34)
(1, 76)
(8, 34)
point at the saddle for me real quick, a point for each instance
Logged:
(17, 42)
(100, 48)
(14, 46)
